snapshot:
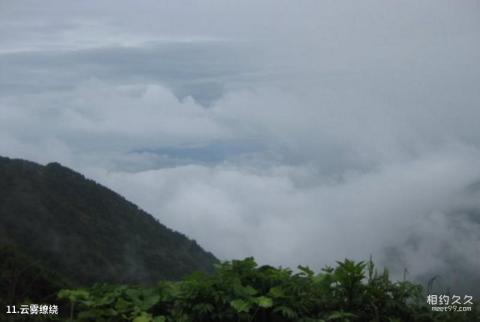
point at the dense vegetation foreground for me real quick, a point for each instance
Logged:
(241, 291)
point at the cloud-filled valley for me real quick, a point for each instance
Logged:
(299, 134)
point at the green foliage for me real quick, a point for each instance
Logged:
(239, 290)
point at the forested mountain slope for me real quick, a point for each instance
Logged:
(56, 218)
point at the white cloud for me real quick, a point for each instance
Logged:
(237, 213)
(352, 126)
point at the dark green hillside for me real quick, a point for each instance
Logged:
(86, 233)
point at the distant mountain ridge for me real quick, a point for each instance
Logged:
(87, 233)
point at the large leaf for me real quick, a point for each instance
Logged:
(240, 305)
(276, 292)
(144, 317)
(264, 302)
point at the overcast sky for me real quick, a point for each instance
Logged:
(299, 132)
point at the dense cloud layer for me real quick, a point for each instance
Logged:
(297, 132)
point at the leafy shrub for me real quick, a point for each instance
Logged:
(240, 290)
